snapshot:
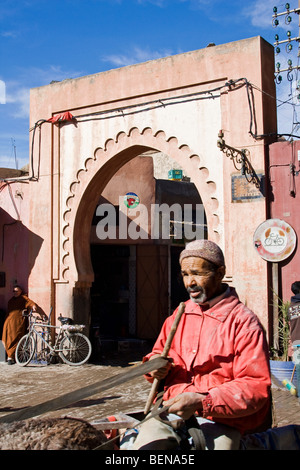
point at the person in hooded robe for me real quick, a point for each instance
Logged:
(15, 324)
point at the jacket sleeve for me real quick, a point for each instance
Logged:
(249, 389)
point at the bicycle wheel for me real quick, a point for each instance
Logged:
(75, 349)
(25, 350)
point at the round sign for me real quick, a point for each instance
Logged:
(274, 240)
(131, 200)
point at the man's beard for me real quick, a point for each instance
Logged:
(201, 298)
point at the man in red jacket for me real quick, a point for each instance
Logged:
(219, 362)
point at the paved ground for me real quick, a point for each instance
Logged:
(21, 387)
(27, 386)
(286, 407)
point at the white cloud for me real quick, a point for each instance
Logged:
(12, 162)
(136, 56)
(13, 150)
(9, 34)
(260, 14)
(53, 72)
(2, 92)
(20, 97)
(158, 3)
(18, 92)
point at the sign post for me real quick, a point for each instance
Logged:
(275, 296)
(274, 240)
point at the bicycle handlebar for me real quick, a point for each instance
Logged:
(25, 313)
(30, 314)
(65, 321)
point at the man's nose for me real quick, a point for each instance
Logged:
(191, 281)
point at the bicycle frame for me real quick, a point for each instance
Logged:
(62, 331)
(55, 348)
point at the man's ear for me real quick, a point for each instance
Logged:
(221, 272)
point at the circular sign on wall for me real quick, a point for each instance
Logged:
(274, 240)
(131, 200)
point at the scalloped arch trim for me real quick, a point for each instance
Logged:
(118, 151)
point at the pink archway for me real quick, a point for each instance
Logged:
(91, 180)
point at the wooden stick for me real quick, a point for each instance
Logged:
(164, 354)
(293, 373)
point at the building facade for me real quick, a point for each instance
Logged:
(209, 111)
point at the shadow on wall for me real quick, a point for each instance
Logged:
(19, 250)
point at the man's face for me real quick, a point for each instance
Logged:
(201, 282)
(17, 291)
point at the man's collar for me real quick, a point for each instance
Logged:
(211, 302)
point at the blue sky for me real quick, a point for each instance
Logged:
(42, 40)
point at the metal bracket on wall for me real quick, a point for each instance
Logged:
(240, 160)
(293, 170)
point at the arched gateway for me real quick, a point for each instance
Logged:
(98, 171)
(90, 182)
(175, 106)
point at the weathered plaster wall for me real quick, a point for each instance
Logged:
(285, 185)
(76, 160)
(17, 256)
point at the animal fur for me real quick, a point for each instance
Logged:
(50, 434)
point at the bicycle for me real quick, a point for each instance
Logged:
(73, 347)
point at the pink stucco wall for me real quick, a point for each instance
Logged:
(75, 161)
(19, 245)
(285, 186)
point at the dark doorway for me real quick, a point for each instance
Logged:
(178, 291)
(109, 292)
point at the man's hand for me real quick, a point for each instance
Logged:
(185, 404)
(161, 373)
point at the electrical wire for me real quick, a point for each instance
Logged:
(230, 85)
